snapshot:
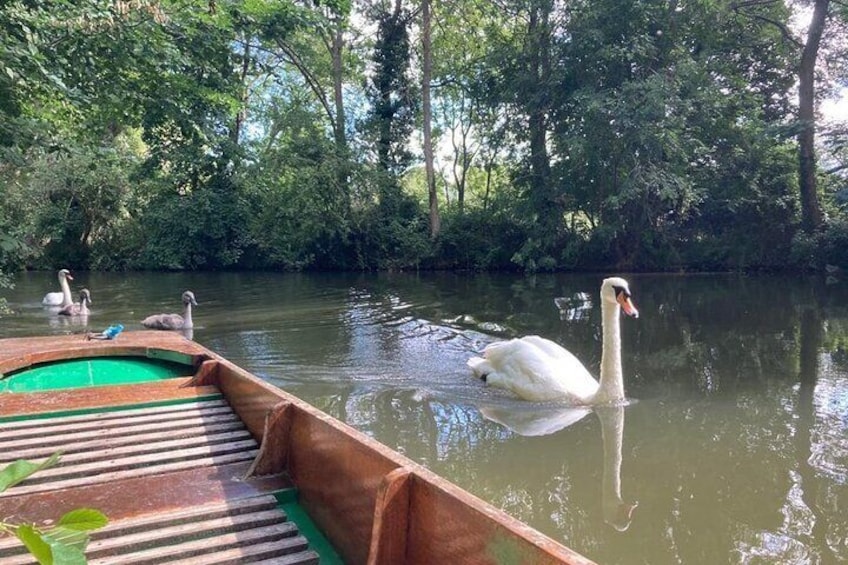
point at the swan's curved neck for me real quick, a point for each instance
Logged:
(66, 291)
(612, 380)
(187, 322)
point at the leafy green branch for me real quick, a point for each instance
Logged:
(62, 544)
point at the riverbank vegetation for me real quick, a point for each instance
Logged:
(365, 134)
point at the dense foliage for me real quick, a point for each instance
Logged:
(286, 135)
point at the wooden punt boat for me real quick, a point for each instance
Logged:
(207, 463)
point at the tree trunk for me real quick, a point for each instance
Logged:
(241, 115)
(540, 69)
(811, 213)
(337, 47)
(426, 72)
(462, 154)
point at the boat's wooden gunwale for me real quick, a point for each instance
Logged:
(21, 353)
(375, 505)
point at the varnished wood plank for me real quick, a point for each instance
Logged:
(229, 507)
(40, 424)
(391, 519)
(200, 549)
(119, 422)
(70, 447)
(120, 500)
(25, 404)
(132, 461)
(168, 529)
(30, 488)
(124, 547)
(169, 535)
(187, 427)
(252, 553)
(234, 507)
(273, 451)
(99, 452)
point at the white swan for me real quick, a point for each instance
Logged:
(79, 308)
(536, 368)
(173, 321)
(62, 298)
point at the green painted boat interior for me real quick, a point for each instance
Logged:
(92, 371)
(318, 542)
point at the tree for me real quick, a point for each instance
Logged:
(462, 33)
(811, 213)
(392, 98)
(810, 208)
(538, 69)
(426, 75)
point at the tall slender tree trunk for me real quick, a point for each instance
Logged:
(463, 155)
(339, 134)
(540, 68)
(241, 115)
(811, 213)
(337, 47)
(426, 73)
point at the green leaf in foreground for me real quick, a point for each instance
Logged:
(35, 544)
(83, 519)
(64, 554)
(65, 537)
(18, 471)
(63, 544)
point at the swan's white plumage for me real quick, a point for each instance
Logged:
(535, 368)
(62, 298)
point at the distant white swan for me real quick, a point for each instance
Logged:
(173, 321)
(536, 368)
(62, 298)
(78, 308)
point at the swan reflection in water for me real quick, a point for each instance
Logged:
(536, 421)
(78, 321)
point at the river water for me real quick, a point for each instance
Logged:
(733, 449)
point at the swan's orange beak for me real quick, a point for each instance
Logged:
(627, 305)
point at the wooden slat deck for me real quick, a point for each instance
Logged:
(216, 533)
(156, 448)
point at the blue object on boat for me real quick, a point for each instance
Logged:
(112, 331)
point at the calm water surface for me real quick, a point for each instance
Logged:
(734, 450)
